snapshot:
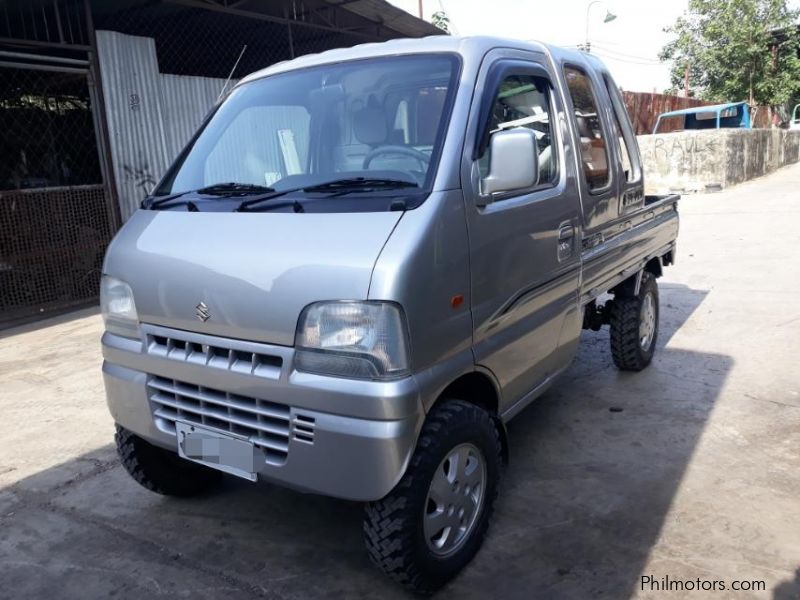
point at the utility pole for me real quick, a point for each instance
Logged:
(420, 10)
(608, 18)
(686, 81)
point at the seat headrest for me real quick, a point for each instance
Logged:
(369, 126)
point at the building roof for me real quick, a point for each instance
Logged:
(389, 21)
(388, 15)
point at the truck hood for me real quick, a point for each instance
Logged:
(254, 272)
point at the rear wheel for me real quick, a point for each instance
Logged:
(634, 326)
(160, 470)
(432, 524)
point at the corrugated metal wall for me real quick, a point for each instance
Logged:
(150, 115)
(186, 100)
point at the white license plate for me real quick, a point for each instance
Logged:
(234, 455)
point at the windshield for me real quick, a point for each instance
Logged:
(380, 118)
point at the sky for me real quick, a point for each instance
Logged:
(629, 45)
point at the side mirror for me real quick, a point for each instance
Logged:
(513, 163)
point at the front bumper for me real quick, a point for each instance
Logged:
(338, 437)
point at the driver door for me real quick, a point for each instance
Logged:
(524, 245)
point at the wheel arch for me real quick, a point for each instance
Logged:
(481, 389)
(630, 286)
(654, 266)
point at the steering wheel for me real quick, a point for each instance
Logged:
(423, 158)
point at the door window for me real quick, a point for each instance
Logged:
(594, 152)
(524, 101)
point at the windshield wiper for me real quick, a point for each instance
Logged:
(152, 204)
(225, 190)
(264, 194)
(235, 189)
(360, 184)
(336, 187)
(245, 205)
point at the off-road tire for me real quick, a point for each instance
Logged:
(160, 470)
(393, 526)
(625, 314)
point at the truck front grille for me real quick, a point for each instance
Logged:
(267, 424)
(214, 352)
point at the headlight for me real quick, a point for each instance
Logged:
(118, 308)
(359, 340)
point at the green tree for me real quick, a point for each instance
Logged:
(737, 50)
(441, 20)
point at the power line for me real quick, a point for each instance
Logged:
(633, 61)
(610, 43)
(624, 55)
(616, 55)
(602, 54)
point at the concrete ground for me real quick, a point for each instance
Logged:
(688, 470)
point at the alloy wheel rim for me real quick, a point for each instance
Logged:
(455, 498)
(647, 322)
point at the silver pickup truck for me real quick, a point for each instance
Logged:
(364, 264)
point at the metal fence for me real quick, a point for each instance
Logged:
(54, 213)
(43, 23)
(47, 124)
(52, 244)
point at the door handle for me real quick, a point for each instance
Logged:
(566, 236)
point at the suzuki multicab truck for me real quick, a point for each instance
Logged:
(364, 264)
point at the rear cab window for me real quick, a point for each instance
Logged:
(593, 143)
(629, 158)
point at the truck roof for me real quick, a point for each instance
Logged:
(469, 47)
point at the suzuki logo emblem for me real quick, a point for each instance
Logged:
(201, 312)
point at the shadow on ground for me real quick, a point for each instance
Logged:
(789, 589)
(595, 465)
(34, 323)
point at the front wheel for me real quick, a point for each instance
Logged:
(634, 326)
(432, 524)
(160, 470)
